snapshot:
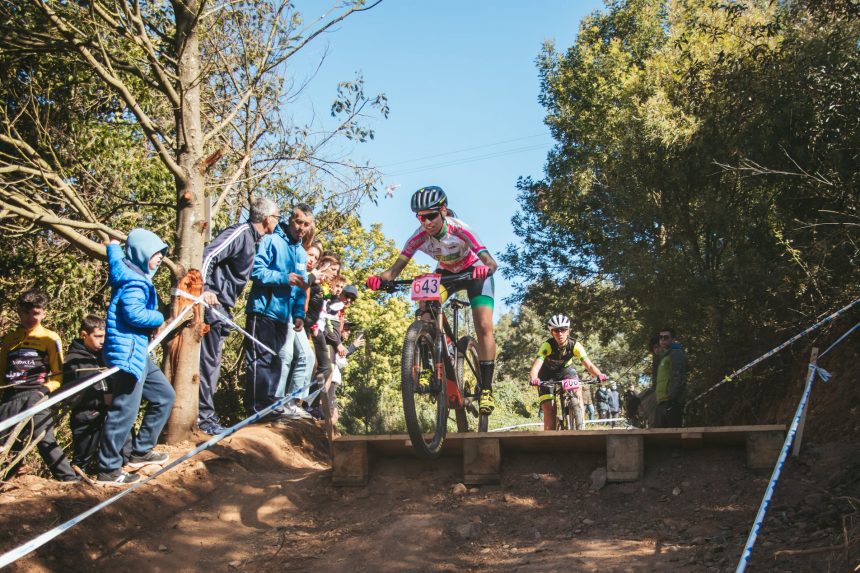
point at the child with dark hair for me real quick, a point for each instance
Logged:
(89, 407)
(30, 363)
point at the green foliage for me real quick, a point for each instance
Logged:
(372, 382)
(705, 175)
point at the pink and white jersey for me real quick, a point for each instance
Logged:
(456, 248)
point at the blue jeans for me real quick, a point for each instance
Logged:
(297, 346)
(153, 387)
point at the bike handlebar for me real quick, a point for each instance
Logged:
(550, 383)
(391, 286)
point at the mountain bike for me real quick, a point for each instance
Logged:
(440, 370)
(567, 404)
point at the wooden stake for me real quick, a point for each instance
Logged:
(795, 450)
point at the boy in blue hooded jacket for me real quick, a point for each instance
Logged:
(131, 318)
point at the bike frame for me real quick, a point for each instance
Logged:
(445, 358)
(561, 398)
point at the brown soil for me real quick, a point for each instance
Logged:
(262, 500)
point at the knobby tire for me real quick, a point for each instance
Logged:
(418, 345)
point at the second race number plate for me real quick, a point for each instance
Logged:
(427, 287)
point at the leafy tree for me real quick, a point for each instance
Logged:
(372, 382)
(193, 90)
(704, 171)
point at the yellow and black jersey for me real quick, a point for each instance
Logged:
(30, 359)
(556, 357)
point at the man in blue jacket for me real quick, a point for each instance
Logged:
(131, 318)
(227, 264)
(273, 305)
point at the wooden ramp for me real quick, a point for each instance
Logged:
(624, 448)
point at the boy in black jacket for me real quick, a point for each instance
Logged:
(83, 361)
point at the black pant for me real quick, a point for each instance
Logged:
(87, 425)
(210, 364)
(263, 367)
(669, 414)
(16, 402)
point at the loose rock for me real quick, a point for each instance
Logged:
(598, 479)
(469, 531)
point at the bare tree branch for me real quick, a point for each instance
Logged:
(152, 132)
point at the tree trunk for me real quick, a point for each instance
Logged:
(183, 356)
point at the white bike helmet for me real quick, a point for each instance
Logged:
(558, 321)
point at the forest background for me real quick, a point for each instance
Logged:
(704, 175)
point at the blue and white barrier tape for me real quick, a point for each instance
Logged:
(220, 315)
(777, 470)
(840, 339)
(515, 427)
(57, 397)
(770, 353)
(22, 550)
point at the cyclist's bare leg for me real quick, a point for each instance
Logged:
(580, 405)
(483, 319)
(548, 408)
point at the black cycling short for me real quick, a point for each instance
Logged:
(552, 375)
(480, 292)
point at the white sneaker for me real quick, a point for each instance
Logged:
(302, 413)
(288, 412)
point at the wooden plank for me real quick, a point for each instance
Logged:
(570, 441)
(625, 458)
(482, 461)
(692, 440)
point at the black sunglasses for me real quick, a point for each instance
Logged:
(665, 336)
(559, 329)
(428, 216)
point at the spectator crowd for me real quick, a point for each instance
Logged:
(298, 346)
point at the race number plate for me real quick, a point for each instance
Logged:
(427, 287)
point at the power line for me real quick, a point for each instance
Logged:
(417, 159)
(470, 159)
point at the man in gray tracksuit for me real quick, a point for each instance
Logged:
(227, 264)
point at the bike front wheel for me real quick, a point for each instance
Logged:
(425, 399)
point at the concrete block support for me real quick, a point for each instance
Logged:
(625, 458)
(350, 463)
(763, 449)
(482, 461)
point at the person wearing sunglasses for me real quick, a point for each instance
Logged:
(555, 361)
(456, 249)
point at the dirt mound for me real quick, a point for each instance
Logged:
(262, 500)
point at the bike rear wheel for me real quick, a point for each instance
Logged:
(469, 374)
(425, 400)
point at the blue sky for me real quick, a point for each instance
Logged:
(463, 88)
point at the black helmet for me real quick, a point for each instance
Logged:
(430, 197)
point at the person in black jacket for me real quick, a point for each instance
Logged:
(601, 397)
(83, 361)
(227, 263)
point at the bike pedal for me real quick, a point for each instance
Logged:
(472, 407)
